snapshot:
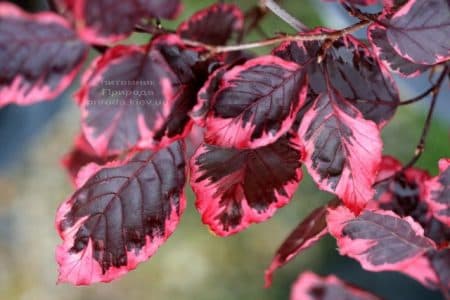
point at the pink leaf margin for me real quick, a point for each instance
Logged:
(81, 268)
(93, 35)
(207, 200)
(417, 267)
(15, 93)
(434, 185)
(354, 193)
(223, 8)
(236, 135)
(309, 280)
(404, 10)
(93, 76)
(304, 241)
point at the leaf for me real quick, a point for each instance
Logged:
(256, 103)
(120, 215)
(343, 145)
(393, 4)
(205, 94)
(422, 271)
(307, 233)
(213, 25)
(403, 193)
(387, 54)
(419, 31)
(309, 286)
(105, 22)
(437, 193)
(40, 55)
(211, 86)
(382, 241)
(440, 260)
(350, 68)
(343, 150)
(237, 57)
(438, 232)
(388, 168)
(237, 187)
(81, 155)
(140, 96)
(193, 140)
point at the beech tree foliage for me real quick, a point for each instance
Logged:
(195, 104)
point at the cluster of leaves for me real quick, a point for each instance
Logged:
(240, 127)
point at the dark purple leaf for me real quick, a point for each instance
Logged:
(403, 193)
(205, 96)
(349, 68)
(309, 286)
(255, 103)
(387, 54)
(40, 55)
(193, 140)
(237, 187)
(237, 57)
(213, 25)
(105, 21)
(438, 193)
(420, 31)
(393, 4)
(120, 215)
(206, 93)
(438, 232)
(440, 261)
(307, 233)
(382, 241)
(343, 145)
(343, 150)
(140, 96)
(81, 155)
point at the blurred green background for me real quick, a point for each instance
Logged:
(193, 264)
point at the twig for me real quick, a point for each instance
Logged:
(355, 12)
(334, 35)
(152, 29)
(284, 15)
(415, 99)
(425, 93)
(421, 145)
(422, 141)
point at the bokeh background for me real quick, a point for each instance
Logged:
(193, 264)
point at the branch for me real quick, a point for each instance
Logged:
(421, 145)
(415, 99)
(334, 35)
(420, 148)
(284, 15)
(152, 29)
(425, 93)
